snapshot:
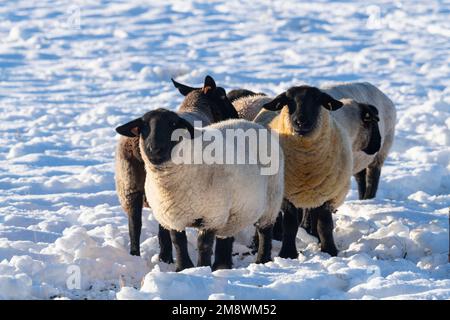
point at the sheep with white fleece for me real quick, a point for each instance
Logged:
(218, 199)
(367, 167)
(206, 105)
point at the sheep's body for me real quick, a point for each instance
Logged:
(130, 172)
(226, 198)
(350, 119)
(317, 168)
(248, 107)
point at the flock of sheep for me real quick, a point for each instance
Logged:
(326, 135)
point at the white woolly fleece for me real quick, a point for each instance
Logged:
(228, 198)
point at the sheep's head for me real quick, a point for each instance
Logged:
(236, 94)
(211, 99)
(370, 119)
(156, 129)
(305, 105)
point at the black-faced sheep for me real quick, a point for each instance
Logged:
(367, 167)
(368, 117)
(318, 157)
(208, 104)
(220, 199)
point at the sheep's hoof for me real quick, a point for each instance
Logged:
(166, 258)
(263, 260)
(290, 253)
(184, 266)
(135, 252)
(220, 266)
(331, 250)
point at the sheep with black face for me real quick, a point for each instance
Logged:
(375, 105)
(318, 157)
(220, 199)
(208, 104)
(369, 118)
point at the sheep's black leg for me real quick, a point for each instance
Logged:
(223, 254)
(165, 245)
(309, 222)
(300, 215)
(373, 178)
(360, 178)
(325, 228)
(205, 242)
(255, 243)
(265, 244)
(306, 221)
(135, 222)
(179, 240)
(278, 228)
(290, 228)
(314, 220)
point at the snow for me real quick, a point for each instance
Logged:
(71, 71)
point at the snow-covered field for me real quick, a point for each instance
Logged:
(71, 71)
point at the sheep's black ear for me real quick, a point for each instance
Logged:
(184, 124)
(131, 129)
(184, 89)
(369, 113)
(209, 85)
(278, 103)
(329, 102)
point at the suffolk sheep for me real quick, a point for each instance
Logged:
(318, 158)
(208, 104)
(360, 121)
(369, 118)
(219, 199)
(367, 167)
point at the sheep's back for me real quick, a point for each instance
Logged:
(248, 107)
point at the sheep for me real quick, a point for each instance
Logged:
(359, 117)
(208, 104)
(318, 159)
(370, 124)
(360, 121)
(367, 167)
(218, 199)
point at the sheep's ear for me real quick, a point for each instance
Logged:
(209, 85)
(329, 102)
(184, 89)
(278, 103)
(184, 124)
(131, 129)
(370, 113)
